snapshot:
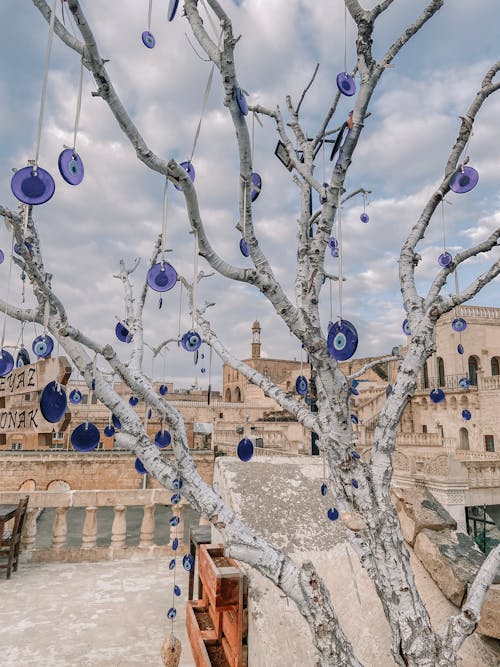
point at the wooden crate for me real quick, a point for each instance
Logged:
(221, 577)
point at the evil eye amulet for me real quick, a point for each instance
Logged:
(301, 385)
(406, 327)
(459, 324)
(342, 340)
(42, 346)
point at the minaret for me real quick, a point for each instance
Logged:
(256, 340)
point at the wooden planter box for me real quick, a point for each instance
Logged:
(206, 647)
(220, 576)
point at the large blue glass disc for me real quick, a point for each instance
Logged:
(71, 167)
(148, 39)
(464, 180)
(245, 449)
(6, 363)
(172, 8)
(406, 327)
(345, 83)
(122, 333)
(23, 358)
(139, 466)
(75, 397)
(244, 248)
(241, 101)
(256, 185)
(437, 396)
(301, 385)
(116, 422)
(42, 346)
(459, 324)
(53, 402)
(85, 437)
(187, 166)
(162, 277)
(342, 340)
(163, 389)
(445, 259)
(32, 187)
(191, 341)
(163, 439)
(466, 415)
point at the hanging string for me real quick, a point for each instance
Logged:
(46, 316)
(8, 295)
(345, 39)
(204, 103)
(252, 153)
(26, 215)
(195, 281)
(78, 105)
(323, 158)
(180, 311)
(211, 21)
(353, 574)
(331, 301)
(44, 83)
(339, 234)
(209, 376)
(164, 222)
(149, 14)
(164, 364)
(443, 224)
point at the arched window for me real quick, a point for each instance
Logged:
(440, 369)
(464, 438)
(495, 366)
(237, 395)
(228, 395)
(426, 376)
(473, 369)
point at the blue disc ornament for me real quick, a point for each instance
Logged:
(333, 244)
(464, 383)
(464, 180)
(175, 499)
(333, 514)
(445, 259)
(172, 8)
(162, 277)
(460, 348)
(171, 613)
(177, 591)
(364, 217)
(191, 341)
(177, 483)
(324, 489)
(148, 39)
(116, 422)
(175, 520)
(75, 396)
(466, 415)
(85, 437)
(355, 483)
(71, 167)
(163, 439)
(53, 402)
(188, 562)
(22, 358)
(437, 395)
(27, 245)
(32, 185)
(301, 385)
(2, 256)
(255, 185)
(6, 363)
(244, 248)
(345, 83)
(42, 346)
(133, 400)
(109, 431)
(175, 544)
(342, 340)
(388, 390)
(459, 324)
(163, 389)
(354, 419)
(171, 565)
(355, 455)
(187, 166)
(406, 327)
(244, 449)
(354, 391)
(139, 466)
(241, 101)
(122, 333)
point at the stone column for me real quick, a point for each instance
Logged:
(119, 528)
(89, 533)
(59, 528)
(147, 526)
(29, 533)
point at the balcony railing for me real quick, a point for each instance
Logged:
(448, 382)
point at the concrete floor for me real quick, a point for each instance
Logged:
(106, 614)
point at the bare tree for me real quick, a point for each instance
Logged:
(377, 537)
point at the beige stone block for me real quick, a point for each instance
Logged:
(489, 624)
(419, 509)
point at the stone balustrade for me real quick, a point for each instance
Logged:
(91, 501)
(271, 440)
(433, 440)
(492, 382)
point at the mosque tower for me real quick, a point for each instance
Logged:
(256, 340)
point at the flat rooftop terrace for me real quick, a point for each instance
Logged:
(104, 614)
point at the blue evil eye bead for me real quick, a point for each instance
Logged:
(27, 245)
(85, 437)
(437, 396)
(53, 402)
(92, 385)
(244, 450)
(355, 455)
(162, 277)
(301, 385)
(191, 341)
(324, 489)
(172, 8)
(322, 200)
(175, 544)
(203, 370)
(177, 591)
(241, 101)
(354, 391)
(32, 186)
(23, 358)
(149, 413)
(333, 514)
(445, 259)
(464, 180)
(6, 363)
(42, 346)
(355, 483)
(163, 389)
(464, 383)
(163, 439)
(354, 419)
(364, 217)
(75, 397)
(255, 185)
(171, 565)
(460, 348)
(175, 520)
(459, 324)
(2, 256)
(71, 167)
(406, 327)
(148, 39)
(342, 340)
(187, 166)
(244, 248)
(177, 483)
(466, 415)
(333, 244)
(122, 333)
(171, 613)
(133, 400)
(109, 431)
(188, 562)
(388, 390)
(139, 466)
(334, 252)
(116, 422)
(345, 83)
(175, 499)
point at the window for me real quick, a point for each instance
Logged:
(464, 438)
(440, 368)
(84, 398)
(424, 428)
(489, 443)
(495, 366)
(16, 446)
(426, 376)
(473, 369)
(237, 395)
(27, 397)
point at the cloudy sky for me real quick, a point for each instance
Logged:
(116, 211)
